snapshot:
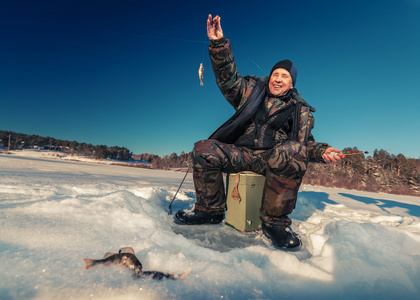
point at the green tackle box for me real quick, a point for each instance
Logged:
(242, 212)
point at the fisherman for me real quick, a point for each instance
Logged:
(270, 134)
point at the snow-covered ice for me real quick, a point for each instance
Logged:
(53, 213)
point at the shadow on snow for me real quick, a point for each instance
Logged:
(383, 204)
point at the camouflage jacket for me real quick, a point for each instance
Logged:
(245, 94)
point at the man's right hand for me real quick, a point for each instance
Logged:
(332, 155)
(214, 30)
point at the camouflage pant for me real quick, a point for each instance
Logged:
(283, 166)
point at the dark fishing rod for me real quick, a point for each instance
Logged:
(346, 154)
(173, 199)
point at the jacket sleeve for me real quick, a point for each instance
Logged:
(233, 86)
(315, 149)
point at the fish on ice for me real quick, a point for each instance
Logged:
(200, 73)
(126, 257)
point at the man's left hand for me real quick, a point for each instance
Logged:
(332, 155)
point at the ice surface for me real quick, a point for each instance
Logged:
(53, 213)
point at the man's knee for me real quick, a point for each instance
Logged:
(202, 146)
(289, 159)
(206, 154)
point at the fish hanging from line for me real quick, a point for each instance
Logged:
(126, 257)
(200, 73)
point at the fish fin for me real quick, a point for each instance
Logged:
(89, 262)
(108, 254)
(127, 250)
(185, 274)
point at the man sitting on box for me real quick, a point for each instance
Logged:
(270, 134)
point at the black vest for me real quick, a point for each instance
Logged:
(231, 132)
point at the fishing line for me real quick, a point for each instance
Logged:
(247, 57)
(202, 57)
(169, 38)
(204, 47)
(134, 34)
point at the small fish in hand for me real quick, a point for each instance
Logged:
(127, 258)
(200, 73)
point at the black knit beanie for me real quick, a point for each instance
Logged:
(289, 66)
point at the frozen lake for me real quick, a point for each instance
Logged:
(53, 213)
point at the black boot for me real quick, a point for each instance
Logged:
(196, 217)
(281, 236)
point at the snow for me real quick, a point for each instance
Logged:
(53, 213)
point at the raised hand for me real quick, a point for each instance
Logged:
(214, 30)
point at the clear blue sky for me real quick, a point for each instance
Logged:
(125, 72)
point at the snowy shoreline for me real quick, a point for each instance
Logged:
(57, 155)
(54, 212)
(50, 154)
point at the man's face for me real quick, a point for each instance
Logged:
(280, 82)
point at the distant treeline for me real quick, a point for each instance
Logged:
(18, 141)
(173, 161)
(380, 171)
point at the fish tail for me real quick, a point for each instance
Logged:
(185, 274)
(157, 275)
(161, 275)
(89, 262)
